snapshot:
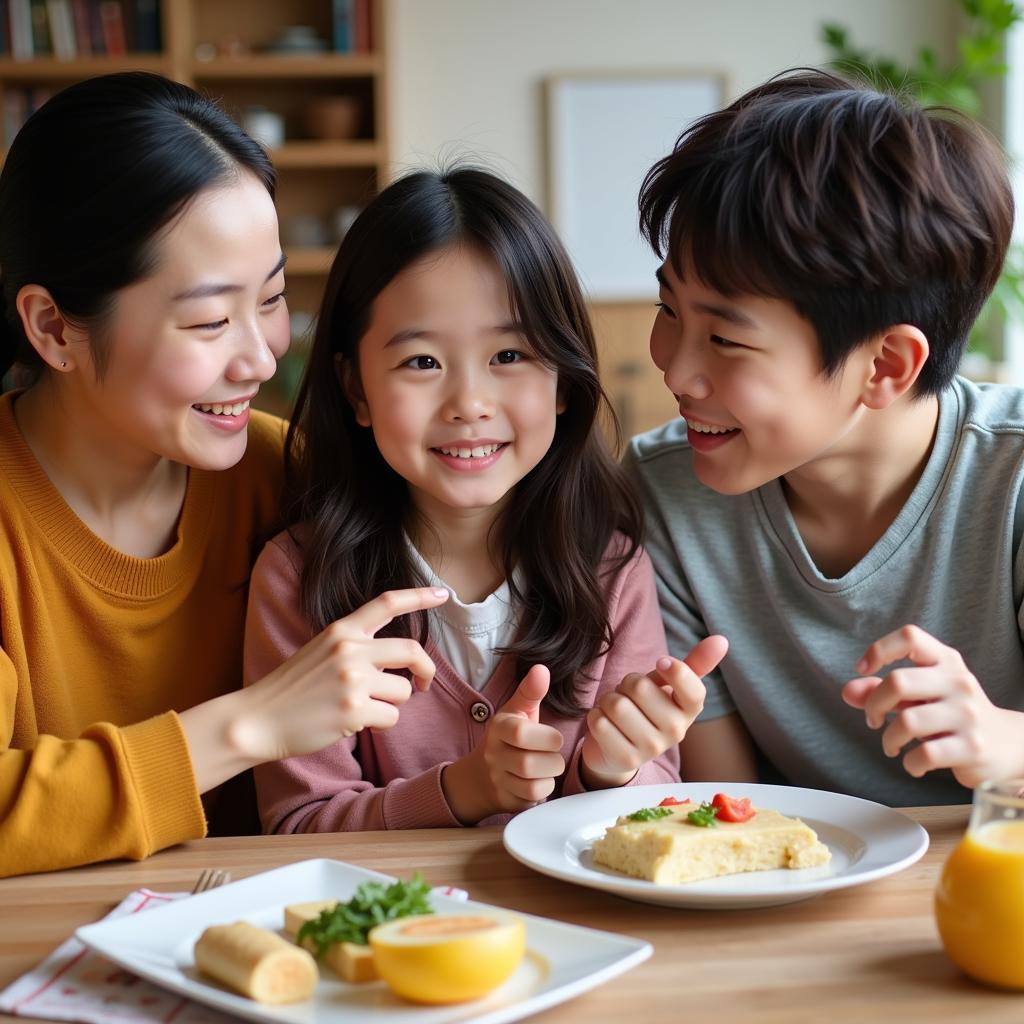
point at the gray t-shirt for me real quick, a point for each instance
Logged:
(951, 562)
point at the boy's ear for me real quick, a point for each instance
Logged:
(352, 388)
(897, 355)
(46, 328)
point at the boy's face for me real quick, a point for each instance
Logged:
(747, 374)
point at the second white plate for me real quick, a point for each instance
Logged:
(867, 841)
(562, 960)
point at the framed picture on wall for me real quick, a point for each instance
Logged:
(604, 132)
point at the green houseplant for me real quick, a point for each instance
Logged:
(979, 60)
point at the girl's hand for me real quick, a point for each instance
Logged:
(939, 704)
(338, 683)
(515, 764)
(645, 715)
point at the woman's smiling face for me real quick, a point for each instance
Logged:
(187, 347)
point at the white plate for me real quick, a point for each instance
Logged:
(562, 960)
(867, 841)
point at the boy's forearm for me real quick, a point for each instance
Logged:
(719, 750)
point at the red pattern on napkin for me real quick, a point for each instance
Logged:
(95, 991)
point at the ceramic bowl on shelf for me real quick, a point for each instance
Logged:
(297, 40)
(333, 117)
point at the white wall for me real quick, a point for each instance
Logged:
(466, 76)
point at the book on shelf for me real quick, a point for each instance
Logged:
(83, 30)
(40, 29)
(95, 26)
(363, 26)
(67, 29)
(62, 29)
(15, 113)
(146, 26)
(20, 12)
(18, 107)
(342, 12)
(112, 20)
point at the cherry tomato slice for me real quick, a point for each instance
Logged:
(733, 808)
(671, 801)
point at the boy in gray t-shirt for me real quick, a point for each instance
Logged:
(835, 501)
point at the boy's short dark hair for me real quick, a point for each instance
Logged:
(862, 209)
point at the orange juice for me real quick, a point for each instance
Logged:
(979, 903)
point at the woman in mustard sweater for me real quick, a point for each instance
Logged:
(142, 285)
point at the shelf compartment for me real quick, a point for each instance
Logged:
(258, 67)
(309, 261)
(313, 154)
(49, 69)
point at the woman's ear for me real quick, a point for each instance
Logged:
(352, 388)
(48, 332)
(897, 355)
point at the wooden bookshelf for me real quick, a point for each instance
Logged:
(337, 65)
(50, 69)
(221, 47)
(310, 261)
(327, 154)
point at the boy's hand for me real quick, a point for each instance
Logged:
(516, 763)
(940, 703)
(645, 715)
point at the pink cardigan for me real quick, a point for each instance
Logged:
(392, 779)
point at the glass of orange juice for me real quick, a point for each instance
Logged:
(979, 902)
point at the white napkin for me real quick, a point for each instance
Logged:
(75, 984)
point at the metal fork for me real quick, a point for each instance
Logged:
(210, 878)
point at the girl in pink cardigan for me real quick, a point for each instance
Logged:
(445, 434)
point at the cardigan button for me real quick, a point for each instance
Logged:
(480, 711)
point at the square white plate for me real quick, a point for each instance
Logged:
(867, 840)
(562, 960)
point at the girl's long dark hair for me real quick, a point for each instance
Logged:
(353, 507)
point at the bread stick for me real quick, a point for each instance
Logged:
(257, 963)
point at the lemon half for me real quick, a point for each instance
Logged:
(448, 958)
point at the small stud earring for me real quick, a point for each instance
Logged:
(63, 365)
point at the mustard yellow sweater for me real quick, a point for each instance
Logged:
(99, 649)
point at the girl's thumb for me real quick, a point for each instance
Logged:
(530, 693)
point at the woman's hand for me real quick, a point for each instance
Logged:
(336, 685)
(516, 763)
(645, 715)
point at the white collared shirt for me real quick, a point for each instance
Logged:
(468, 634)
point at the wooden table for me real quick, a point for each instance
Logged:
(864, 954)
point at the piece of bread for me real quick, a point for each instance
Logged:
(296, 915)
(670, 850)
(257, 963)
(352, 962)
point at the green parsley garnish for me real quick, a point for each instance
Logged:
(704, 816)
(649, 814)
(373, 904)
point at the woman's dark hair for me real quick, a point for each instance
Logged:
(862, 209)
(354, 507)
(90, 179)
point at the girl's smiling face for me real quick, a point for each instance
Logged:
(186, 348)
(458, 402)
